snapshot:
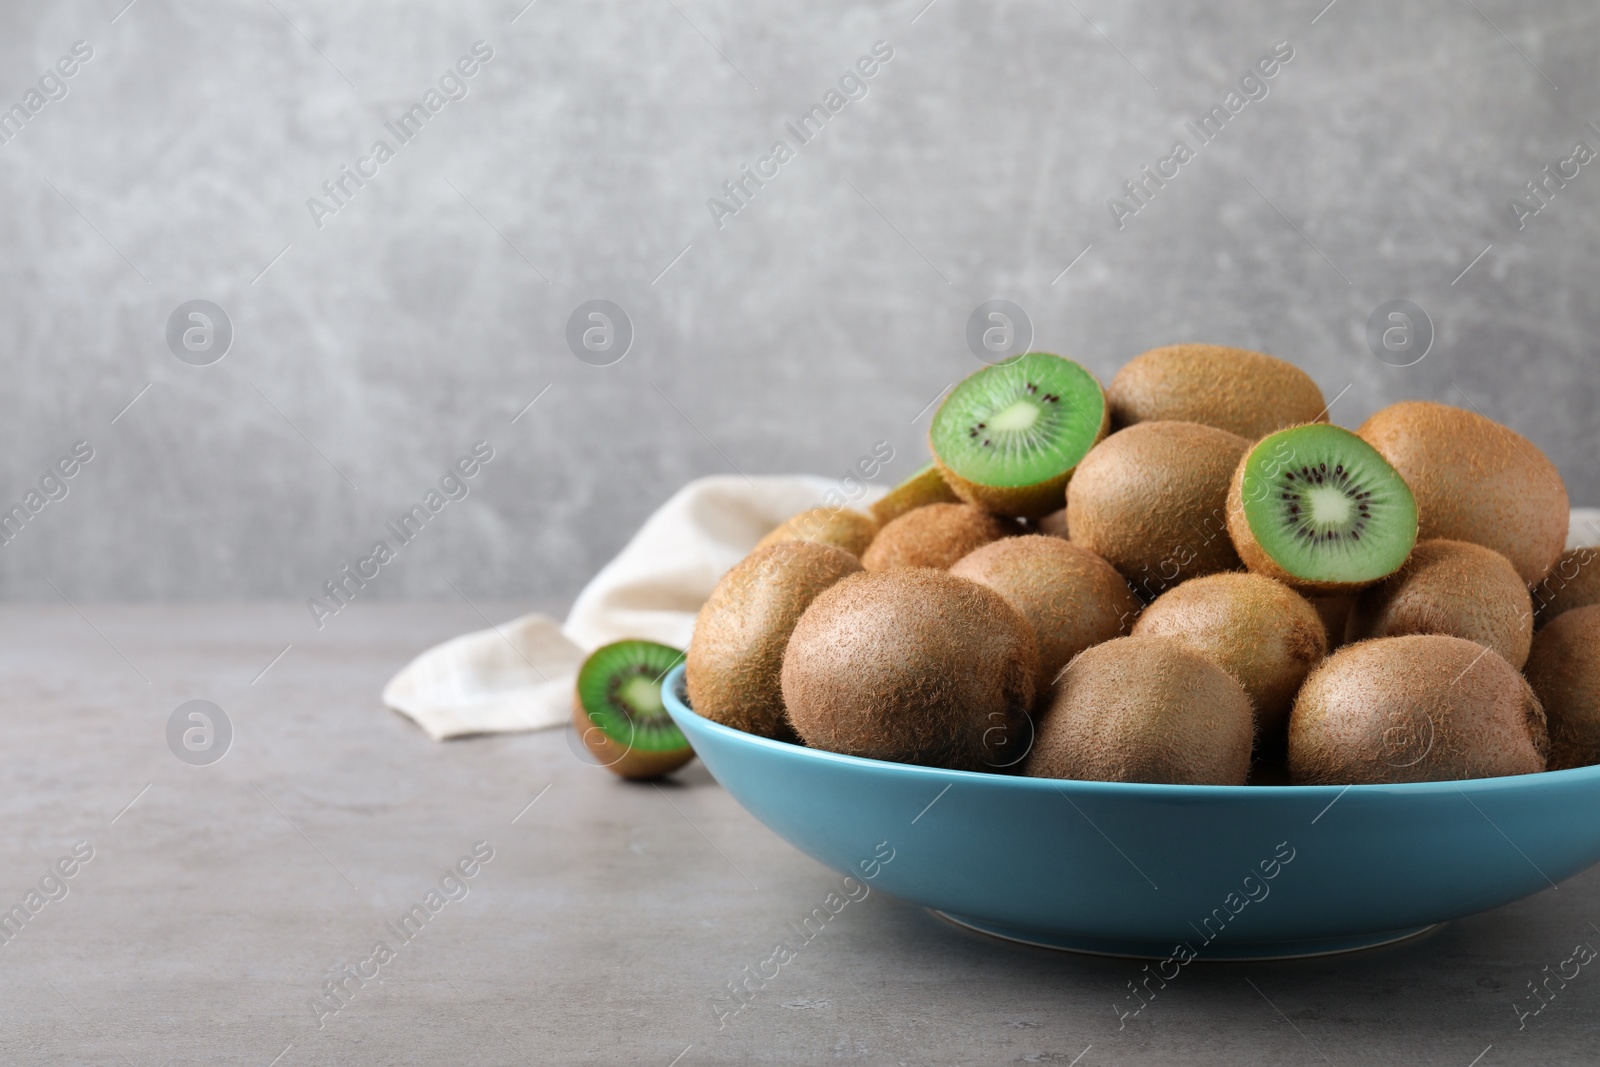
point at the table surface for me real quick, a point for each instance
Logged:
(221, 900)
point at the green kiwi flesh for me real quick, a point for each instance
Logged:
(1008, 437)
(1318, 508)
(619, 713)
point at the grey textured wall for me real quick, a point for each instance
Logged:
(427, 311)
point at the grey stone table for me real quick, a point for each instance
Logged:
(221, 903)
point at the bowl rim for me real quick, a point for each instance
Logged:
(679, 708)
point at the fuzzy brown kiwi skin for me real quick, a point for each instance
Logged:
(1574, 582)
(935, 535)
(1023, 501)
(925, 487)
(624, 760)
(1053, 525)
(1246, 393)
(1259, 630)
(846, 528)
(1419, 708)
(1475, 480)
(735, 658)
(1255, 557)
(1071, 597)
(1564, 670)
(1151, 499)
(1144, 709)
(913, 666)
(1450, 587)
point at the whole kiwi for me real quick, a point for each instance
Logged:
(915, 666)
(1450, 587)
(1144, 709)
(1152, 499)
(1071, 597)
(1564, 670)
(1246, 393)
(1475, 480)
(845, 527)
(735, 658)
(1574, 582)
(926, 486)
(1420, 708)
(934, 535)
(1258, 630)
(1053, 524)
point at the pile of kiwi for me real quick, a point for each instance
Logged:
(1188, 576)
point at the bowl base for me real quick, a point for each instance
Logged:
(1244, 951)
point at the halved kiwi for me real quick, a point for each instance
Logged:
(1319, 509)
(618, 711)
(1008, 438)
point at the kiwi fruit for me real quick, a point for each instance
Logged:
(1053, 524)
(915, 666)
(1008, 437)
(1071, 597)
(1144, 709)
(1258, 630)
(1246, 393)
(1450, 587)
(1476, 480)
(1574, 582)
(736, 655)
(1317, 508)
(1152, 500)
(846, 528)
(1564, 670)
(934, 535)
(1419, 708)
(619, 714)
(1335, 611)
(927, 486)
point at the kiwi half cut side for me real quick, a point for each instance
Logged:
(618, 711)
(1008, 438)
(1319, 509)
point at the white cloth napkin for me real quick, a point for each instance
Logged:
(519, 675)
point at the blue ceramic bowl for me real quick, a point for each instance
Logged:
(1163, 871)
